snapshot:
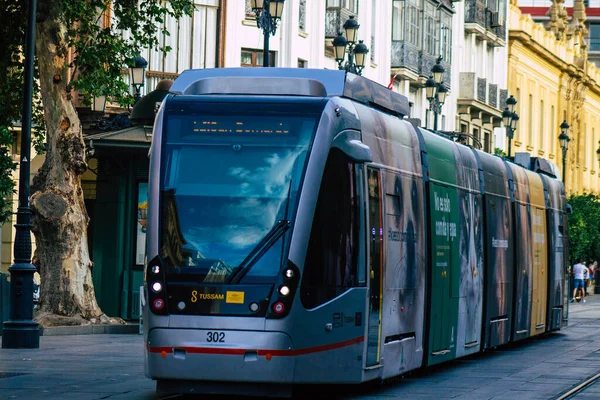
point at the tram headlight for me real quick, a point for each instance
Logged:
(284, 290)
(159, 304)
(155, 269)
(289, 273)
(278, 308)
(157, 287)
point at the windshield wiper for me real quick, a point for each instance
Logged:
(258, 251)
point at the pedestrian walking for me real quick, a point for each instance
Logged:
(579, 270)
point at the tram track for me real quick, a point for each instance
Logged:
(571, 393)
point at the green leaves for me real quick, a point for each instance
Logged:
(584, 228)
(102, 53)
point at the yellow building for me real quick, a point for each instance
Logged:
(7, 230)
(552, 80)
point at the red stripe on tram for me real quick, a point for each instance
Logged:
(238, 352)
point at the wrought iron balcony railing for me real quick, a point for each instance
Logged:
(334, 20)
(475, 12)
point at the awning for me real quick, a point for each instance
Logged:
(139, 137)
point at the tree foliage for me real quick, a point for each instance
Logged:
(584, 228)
(102, 53)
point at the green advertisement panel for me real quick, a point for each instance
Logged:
(444, 248)
(445, 273)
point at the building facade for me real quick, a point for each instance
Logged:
(541, 11)
(553, 81)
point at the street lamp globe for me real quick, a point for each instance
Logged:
(564, 140)
(351, 27)
(511, 102)
(564, 128)
(257, 5)
(339, 47)
(360, 51)
(514, 121)
(438, 71)
(276, 9)
(138, 71)
(430, 86)
(441, 94)
(506, 115)
(98, 104)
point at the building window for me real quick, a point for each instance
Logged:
(594, 37)
(254, 58)
(429, 29)
(413, 22)
(530, 119)
(373, 28)
(552, 130)
(302, 16)
(351, 5)
(249, 12)
(398, 20)
(541, 128)
(445, 49)
(487, 141)
(302, 63)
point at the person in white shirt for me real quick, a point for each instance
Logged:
(579, 271)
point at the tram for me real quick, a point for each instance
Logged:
(301, 230)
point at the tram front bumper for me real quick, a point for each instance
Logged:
(211, 355)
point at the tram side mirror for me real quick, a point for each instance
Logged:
(349, 142)
(569, 209)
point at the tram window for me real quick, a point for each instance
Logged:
(331, 259)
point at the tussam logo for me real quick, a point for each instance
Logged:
(206, 296)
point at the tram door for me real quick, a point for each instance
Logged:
(375, 264)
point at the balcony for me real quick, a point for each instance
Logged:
(480, 100)
(485, 22)
(411, 63)
(335, 17)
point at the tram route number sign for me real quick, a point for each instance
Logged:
(215, 336)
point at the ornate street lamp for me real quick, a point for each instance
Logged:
(21, 331)
(268, 13)
(511, 102)
(138, 73)
(510, 119)
(435, 91)
(564, 140)
(356, 51)
(98, 104)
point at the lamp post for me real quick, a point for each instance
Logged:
(435, 91)
(355, 50)
(268, 13)
(564, 140)
(510, 119)
(21, 331)
(138, 74)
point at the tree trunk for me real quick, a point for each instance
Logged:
(59, 216)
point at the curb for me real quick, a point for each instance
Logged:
(90, 330)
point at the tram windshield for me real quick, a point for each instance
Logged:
(231, 175)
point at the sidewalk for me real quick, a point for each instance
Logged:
(108, 366)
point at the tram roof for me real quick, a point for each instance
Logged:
(290, 82)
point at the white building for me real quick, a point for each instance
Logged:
(405, 37)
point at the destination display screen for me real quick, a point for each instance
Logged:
(241, 126)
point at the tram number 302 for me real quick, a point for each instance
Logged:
(215, 337)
